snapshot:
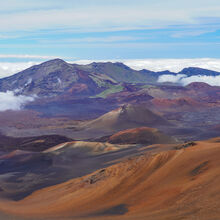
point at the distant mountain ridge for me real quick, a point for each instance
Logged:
(192, 71)
(56, 77)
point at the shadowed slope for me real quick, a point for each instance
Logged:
(35, 144)
(23, 172)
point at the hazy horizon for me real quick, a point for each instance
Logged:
(8, 68)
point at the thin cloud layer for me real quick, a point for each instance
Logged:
(114, 28)
(9, 101)
(184, 80)
(26, 56)
(100, 15)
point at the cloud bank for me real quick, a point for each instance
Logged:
(8, 69)
(184, 80)
(173, 65)
(10, 101)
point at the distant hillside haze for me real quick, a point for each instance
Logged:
(57, 77)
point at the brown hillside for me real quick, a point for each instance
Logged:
(173, 184)
(127, 116)
(142, 135)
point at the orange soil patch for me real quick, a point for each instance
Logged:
(142, 135)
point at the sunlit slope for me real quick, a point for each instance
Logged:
(173, 184)
(127, 116)
(142, 135)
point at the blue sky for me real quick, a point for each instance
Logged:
(108, 29)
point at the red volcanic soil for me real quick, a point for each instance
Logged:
(142, 135)
(130, 95)
(204, 92)
(171, 184)
(199, 85)
(77, 88)
(24, 119)
(181, 104)
(27, 123)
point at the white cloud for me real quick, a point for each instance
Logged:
(9, 101)
(174, 65)
(211, 80)
(8, 69)
(193, 33)
(171, 78)
(184, 80)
